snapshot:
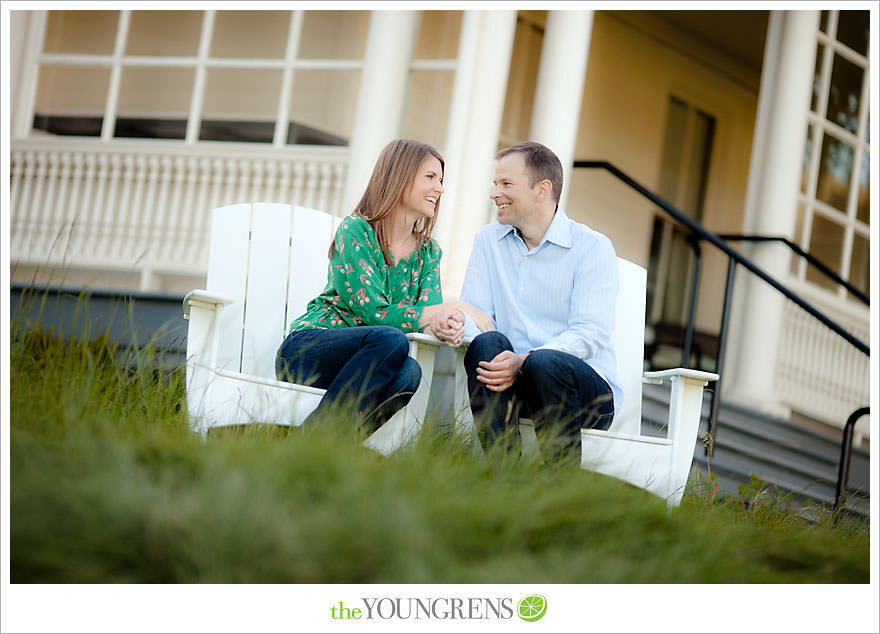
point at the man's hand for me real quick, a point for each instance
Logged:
(500, 373)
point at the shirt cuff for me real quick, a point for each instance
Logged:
(471, 329)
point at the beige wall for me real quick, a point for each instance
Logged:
(630, 76)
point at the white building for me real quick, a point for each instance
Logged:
(127, 127)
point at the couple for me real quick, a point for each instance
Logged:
(538, 300)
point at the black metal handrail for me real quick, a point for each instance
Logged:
(809, 257)
(698, 233)
(845, 455)
(739, 258)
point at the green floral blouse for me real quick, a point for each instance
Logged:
(362, 290)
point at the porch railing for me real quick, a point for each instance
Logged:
(144, 206)
(815, 346)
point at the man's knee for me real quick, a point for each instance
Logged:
(546, 364)
(486, 346)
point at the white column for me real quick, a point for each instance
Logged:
(774, 180)
(381, 98)
(557, 108)
(485, 49)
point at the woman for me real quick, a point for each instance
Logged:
(383, 281)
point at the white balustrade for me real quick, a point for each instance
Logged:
(143, 206)
(819, 374)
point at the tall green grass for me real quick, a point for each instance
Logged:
(108, 485)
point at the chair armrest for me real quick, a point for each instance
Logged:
(685, 406)
(203, 310)
(431, 340)
(685, 373)
(204, 299)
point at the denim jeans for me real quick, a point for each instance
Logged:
(366, 367)
(555, 389)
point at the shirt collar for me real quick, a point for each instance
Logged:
(559, 231)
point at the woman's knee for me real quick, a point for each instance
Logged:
(410, 375)
(389, 339)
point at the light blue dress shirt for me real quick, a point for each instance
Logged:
(561, 294)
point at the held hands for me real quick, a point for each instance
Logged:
(450, 329)
(444, 321)
(500, 373)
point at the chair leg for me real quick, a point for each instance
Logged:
(406, 423)
(464, 418)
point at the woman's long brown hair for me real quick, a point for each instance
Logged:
(390, 182)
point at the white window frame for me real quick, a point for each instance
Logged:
(200, 63)
(819, 126)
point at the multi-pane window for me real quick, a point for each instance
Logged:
(832, 218)
(279, 77)
(523, 76)
(684, 174)
(431, 77)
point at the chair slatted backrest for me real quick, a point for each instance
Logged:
(628, 339)
(271, 258)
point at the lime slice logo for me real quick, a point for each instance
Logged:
(532, 608)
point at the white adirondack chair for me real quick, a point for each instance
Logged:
(660, 465)
(267, 260)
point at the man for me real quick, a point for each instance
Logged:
(550, 285)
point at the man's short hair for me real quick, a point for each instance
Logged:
(541, 164)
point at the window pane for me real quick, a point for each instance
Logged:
(520, 95)
(823, 22)
(864, 189)
(427, 106)
(798, 227)
(670, 166)
(89, 32)
(71, 100)
(154, 102)
(860, 265)
(323, 105)
(808, 153)
(334, 34)
(852, 30)
(845, 94)
(155, 92)
(250, 34)
(698, 165)
(166, 33)
(817, 79)
(438, 35)
(72, 90)
(826, 244)
(835, 170)
(243, 102)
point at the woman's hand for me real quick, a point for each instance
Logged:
(444, 321)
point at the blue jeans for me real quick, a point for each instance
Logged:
(555, 389)
(365, 367)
